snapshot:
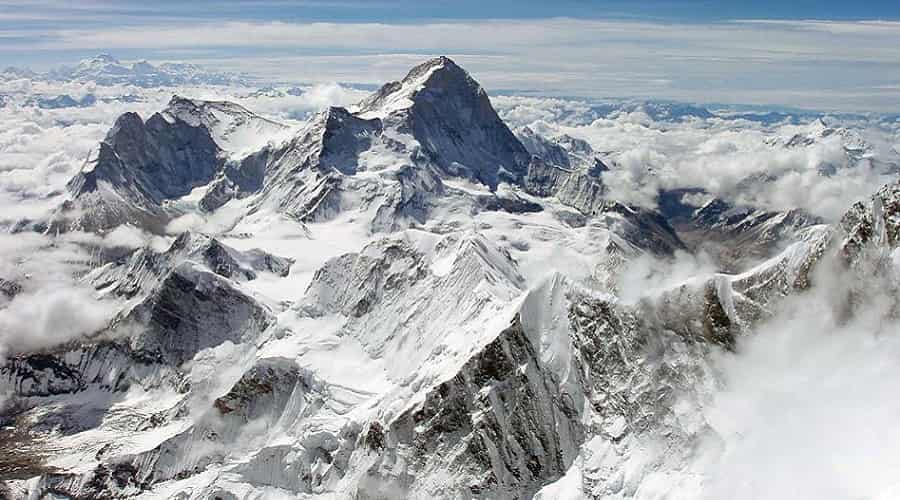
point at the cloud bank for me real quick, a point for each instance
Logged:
(832, 65)
(807, 410)
(830, 165)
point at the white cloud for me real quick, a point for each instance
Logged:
(41, 149)
(835, 65)
(130, 237)
(49, 317)
(645, 275)
(53, 306)
(807, 409)
(721, 156)
(313, 98)
(186, 222)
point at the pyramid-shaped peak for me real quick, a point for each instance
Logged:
(127, 124)
(440, 63)
(451, 116)
(439, 75)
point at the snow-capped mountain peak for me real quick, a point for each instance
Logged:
(437, 76)
(98, 61)
(451, 117)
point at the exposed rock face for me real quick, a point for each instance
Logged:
(788, 272)
(106, 365)
(550, 151)
(182, 308)
(183, 303)
(137, 167)
(736, 235)
(451, 117)
(564, 151)
(873, 223)
(140, 166)
(232, 127)
(644, 228)
(9, 288)
(500, 410)
(568, 171)
(305, 177)
(500, 425)
(635, 369)
(394, 150)
(193, 309)
(579, 189)
(438, 118)
(145, 268)
(439, 360)
(660, 347)
(754, 230)
(264, 389)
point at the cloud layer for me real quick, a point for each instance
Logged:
(743, 161)
(806, 410)
(817, 64)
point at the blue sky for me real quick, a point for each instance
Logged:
(827, 54)
(133, 11)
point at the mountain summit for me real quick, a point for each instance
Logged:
(452, 118)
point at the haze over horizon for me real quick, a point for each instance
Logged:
(828, 56)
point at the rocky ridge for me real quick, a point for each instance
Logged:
(430, 361)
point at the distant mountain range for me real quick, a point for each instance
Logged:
(104, 69)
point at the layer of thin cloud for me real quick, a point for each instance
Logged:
(816, 64)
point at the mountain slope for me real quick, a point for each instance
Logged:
(390, 156)
(451, 118)
(399, 300)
